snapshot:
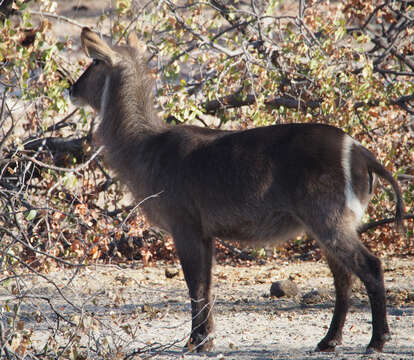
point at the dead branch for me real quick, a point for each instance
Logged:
(372, 225)
(235, 101)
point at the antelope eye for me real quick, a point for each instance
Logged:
(96, 62)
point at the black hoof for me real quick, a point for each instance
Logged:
(376, 346)
(327, 346)
(199, 344)
(373, 350)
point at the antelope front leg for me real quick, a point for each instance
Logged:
(196, 256)
(343, 280)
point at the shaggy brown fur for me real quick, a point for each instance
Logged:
(265, 184)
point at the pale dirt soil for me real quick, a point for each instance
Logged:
(249, 323)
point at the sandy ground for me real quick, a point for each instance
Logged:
(139, 308)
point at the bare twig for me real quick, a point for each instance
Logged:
(58, 17)
(57, 168)
(371, 225)
(235, 101)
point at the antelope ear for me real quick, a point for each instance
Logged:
(135, 43)
(96, 48)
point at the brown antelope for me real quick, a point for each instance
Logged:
(260, 185)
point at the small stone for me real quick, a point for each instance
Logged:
(315, 296)
(171, 272)
(284, 288)
(146, 308)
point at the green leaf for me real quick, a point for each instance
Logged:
(271, 7)
(31, 215)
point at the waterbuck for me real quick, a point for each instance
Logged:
(266, 184)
